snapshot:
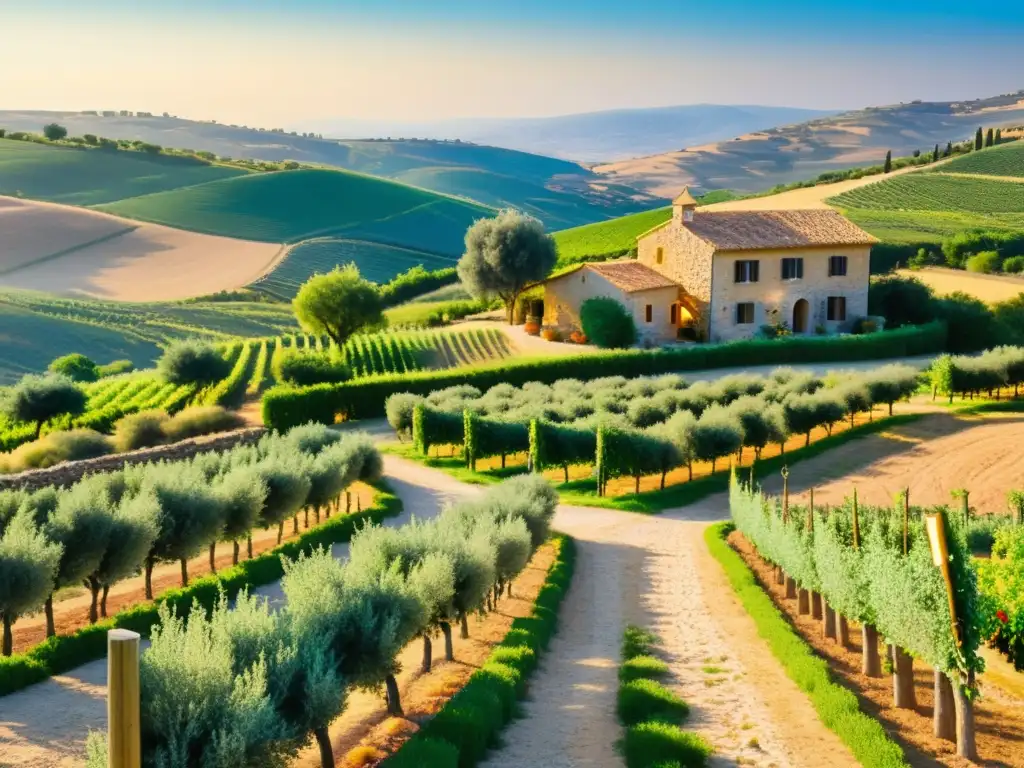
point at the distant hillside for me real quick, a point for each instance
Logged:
(560, 193)
(92, 176)
(763, 159)
(592, 137)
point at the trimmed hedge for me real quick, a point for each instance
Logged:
(285, 407)
(836, 706)
(469, 723)
(63, 652)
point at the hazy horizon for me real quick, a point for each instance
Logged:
(309, 62)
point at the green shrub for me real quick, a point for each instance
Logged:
(420, 752)
(637, 641)
(641, 700)
(607, 323)
(140, 430)
(985, 262)
(414, 282)
(648, 744)
(114, 368)
(304, 370)
(642, 668)
(193, 362)
(55, 448)
(76, 367)
(36, 399)
(1014, 265)
(203, 420)
(970, 324)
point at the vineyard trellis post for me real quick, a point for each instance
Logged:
(803, 595)
(124, 739)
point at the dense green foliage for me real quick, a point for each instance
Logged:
(75, 366)
(193, 362)
(1001, 585)
(965, 375)
(290, 206)
(606, 323)
(836, 706)
(470, 722)
(306, 370)
(338, 304)
(64, 652)
(1005, 160)
(365, 398)
(37, 399)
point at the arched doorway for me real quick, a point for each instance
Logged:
(800, 311)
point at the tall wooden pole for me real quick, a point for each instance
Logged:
(123, 738)
(785, 494)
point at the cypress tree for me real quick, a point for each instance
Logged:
(989, 138)
(935, 153)
(949, 149)
(999, 135)
(978, 138)
(888, 162)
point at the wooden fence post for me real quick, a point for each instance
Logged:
(123, 736)
(785, 494)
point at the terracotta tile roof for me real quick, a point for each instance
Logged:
(750, 230)
(631, 276)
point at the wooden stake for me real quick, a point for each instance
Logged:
(123, 737)
(785, 494)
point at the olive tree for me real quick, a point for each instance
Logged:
(504, 255)
(399, 408)
(288, 488)
(37, 399)
(892, 382)
(191, 516)
(513, 548)
(717, 433)
(312, 438)
(529, 497)
(133, 529)
(242, 494)
(681, 430)
(81, 525)
(204, 700)
(76, 367)
(192, 362)
(338, 304)
(473, 557)
(28, 566)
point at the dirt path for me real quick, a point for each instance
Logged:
(655, 571)
(45, 725)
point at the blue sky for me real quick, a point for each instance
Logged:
(264, 61)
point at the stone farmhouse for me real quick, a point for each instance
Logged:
(721, 275)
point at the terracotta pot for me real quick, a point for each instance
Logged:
(533, 329)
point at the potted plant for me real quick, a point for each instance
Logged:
(551, 334)
(532, 326)
(578, 337)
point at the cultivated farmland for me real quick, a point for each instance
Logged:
(937, 192)
(94, 176)
(376, 262)
(1002, 160)
(289, 206)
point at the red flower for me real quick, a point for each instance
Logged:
(1001, 615)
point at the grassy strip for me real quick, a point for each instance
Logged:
(651, 713)
(836, 706)
(469, 723)
(583, 493)
(64, 652)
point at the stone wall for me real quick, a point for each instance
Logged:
(71, 471)
(686, 259)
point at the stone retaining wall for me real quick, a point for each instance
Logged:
(71, 471)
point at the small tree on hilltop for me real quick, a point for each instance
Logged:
(193, 362)
(54, 132)
(949, 149)
(76, 367)
(999, 136)
(607, 323)
(338, 304)
(504, 255)
(888, 162)
(935, 153)
(979, 139)
(36, 399)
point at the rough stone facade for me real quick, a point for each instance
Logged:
(686, 259)
(775, 299)
(564, 296)
(72, 471)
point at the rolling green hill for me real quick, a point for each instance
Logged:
(607, 239)
(1002, 160)
(290, 206)
(94, 176)
(376, 262)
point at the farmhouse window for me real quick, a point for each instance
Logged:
(673, 314)
(745, 312)
(747, 271)
(660, 257)
(649, 313)
(837, 308)
(792, 269)
(837, 266)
